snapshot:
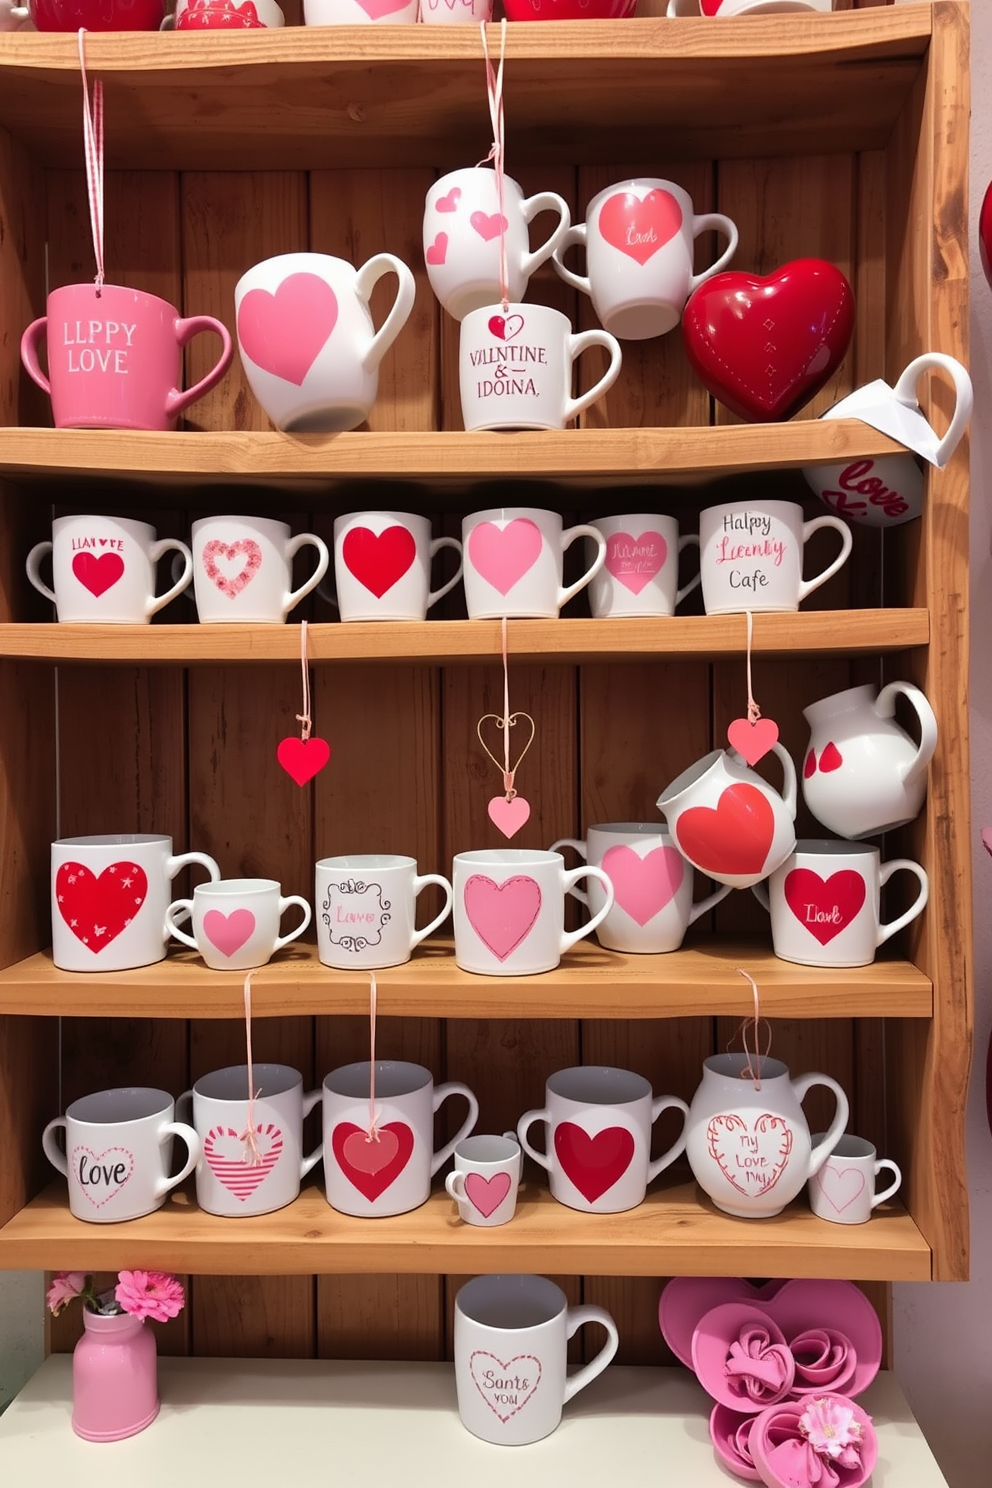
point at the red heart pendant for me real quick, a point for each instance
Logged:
(303, 758)
(765, 346)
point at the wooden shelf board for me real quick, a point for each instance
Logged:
(675, 1231)
(574, 457)
(336, 96)
(442, 642)
(590, 983)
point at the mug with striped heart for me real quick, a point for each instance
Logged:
(382, 565)
(236, 922)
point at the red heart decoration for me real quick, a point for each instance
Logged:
(98, 909)
(372, 1166)
(732, 838)
(809, 768)
(378, 561)
(303, 758)
(284, 333)
(765, 346)
(639, 228)
(985, 234)
(98, 574)
(831, 759)
(752, 740)
(824, 907)
(593, 1164)
(437, 251)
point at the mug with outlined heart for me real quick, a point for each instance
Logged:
(103, 570)
(382, 565)
(641, 573)
(243, 569)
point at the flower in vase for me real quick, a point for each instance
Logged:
(66, 1285)
(150, 1294)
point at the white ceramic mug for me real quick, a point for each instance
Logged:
(511, 1337)
(309, 348)
(389, 1172)
(382, 565)
(118, 1152)
(652, 886)
(359, 12)
(455, 12)
(515, 367)
(510, 910)
(109, 898)
(243, 569)
(367, 909)
(462, 220)
(598, 1122)
(223, 15)
(713, 8)
(640, 575)
(639, 237)
(514, 565)
(824, 902)
(485, 1179)
(751, 555)
(103, 570)
(236, 922)
(231, 1179)
(843, 1190)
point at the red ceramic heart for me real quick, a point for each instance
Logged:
(764, 346)
(98, 574)
(985, 234)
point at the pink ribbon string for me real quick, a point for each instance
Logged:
(93, 149)
(508, 774)
(753, 711)
(494, 88)
(304, 718)
(372, 1135)
(753, 1071)
(249, 1137)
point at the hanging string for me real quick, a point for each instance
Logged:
(494, 88)
(752, 1071)
(249, 1137)
(304, 718)
(753, 711)
(372, 1134)
(93, 149)
(508, 774)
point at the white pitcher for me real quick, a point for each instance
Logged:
(748, 1142)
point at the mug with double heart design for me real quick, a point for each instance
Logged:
(103, 570)
(382, 565)
(243, 569)
(598, 1122)
(514, 562)
(641, 573)
(236, 922)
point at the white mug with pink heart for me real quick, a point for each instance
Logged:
(514, 562)
(379, 1155)
(360, 12)
(510, 910)
(306, 336)
(382, 565)
(485, 1179)
(243, 569)
(236, 922)
(118, 1152)
(652, 886)
(237, 1174)
(598, 1123)
(103, 570)
(843, 1191)
(641, 572)
(824, 902)
(109, 898)
(714, 8)
(639, 238)
(463, 223)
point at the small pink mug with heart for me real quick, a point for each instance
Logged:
(236, 922)
(103, 570)
(243, 569)
(641, 572)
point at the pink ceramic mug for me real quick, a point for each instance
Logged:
(114, 357)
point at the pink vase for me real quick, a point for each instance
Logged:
(114, 1378)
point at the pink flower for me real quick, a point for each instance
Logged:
(150, 1294)
(832, 1429)
(65, 1286)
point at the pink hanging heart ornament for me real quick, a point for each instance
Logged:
(302, 759)
(509, 815)
(753, 740)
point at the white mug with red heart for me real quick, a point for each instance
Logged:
(751, 555)
(243, 569)
(485, 1179)
(236, 922)
(118, 1152)
(639, 237)
(462, 222)
(109, 898)
(843, 1191)
(382, 565)
(305, 332)
(598, 1122)
(652, 886)
(641, 573)
(103, 570)
(367, 909)
(514, 563)
(235, 1176)
(824, 902)
(379, 1155)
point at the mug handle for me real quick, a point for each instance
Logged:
(580, 848)
(421, 882)
(820, 1153)
(311, 1099)
(173, 865)
(366, 279)
(575, 234)
(441, 1093)
(305, 539)
(919, 903)
(806, 586)
(715, 222)
(576, 346)
(33, 565)
(545, 201)
(436, 546)
(284, 904)
(29, 353)
(664, 1103)
(185, 330)
(576, 1318)
(567, 538)
(569, 938)
(885, 707)
(905, 391)
(184, 1107)
(171, 928)
(157, 551)
(451, 1186)
(52, 1150)
(193, 1145)
(886, 1162)
(712, 901)
(524, 1125)
(689, 540)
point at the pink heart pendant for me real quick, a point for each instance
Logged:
(508, 816)
(753, 740)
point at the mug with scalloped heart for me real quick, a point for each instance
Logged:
(236, 922)
(243, 569)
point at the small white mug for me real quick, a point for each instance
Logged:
(367, 909)
(641, 573)
(382, 565)
(103, 570)
(455, 12)
(485, 1179)
(243, 569)
(751, 555)
(843, 1190)
(236, 922)
(515, 367)
(513, 562)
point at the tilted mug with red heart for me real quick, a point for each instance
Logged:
(382, 565)
(103, 570)
(641, 573)
(243, 569)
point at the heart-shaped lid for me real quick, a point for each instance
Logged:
(686, 1298)
(826, 1442)
(741, 1358)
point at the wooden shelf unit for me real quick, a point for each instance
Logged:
(843, 136)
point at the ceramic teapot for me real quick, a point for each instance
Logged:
(863, 774)
(748, 1142)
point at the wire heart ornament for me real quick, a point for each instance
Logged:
(510, 811)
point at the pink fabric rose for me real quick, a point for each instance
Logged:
(150, 1294)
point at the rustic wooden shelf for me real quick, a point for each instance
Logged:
(590, 983)
(674, 1232)
(331, 96)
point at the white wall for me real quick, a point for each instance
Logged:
(21, 1330)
